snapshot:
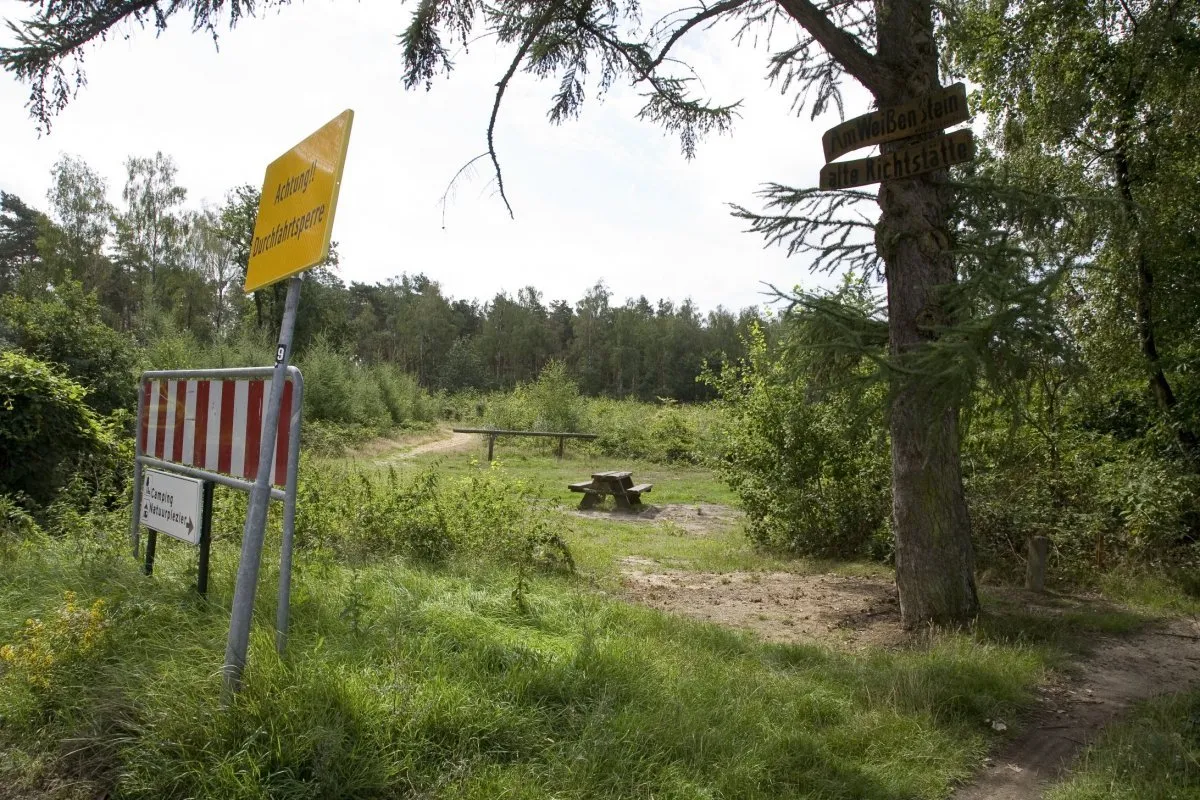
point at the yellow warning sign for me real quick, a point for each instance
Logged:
(295, 212)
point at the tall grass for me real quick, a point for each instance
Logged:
(403, 680)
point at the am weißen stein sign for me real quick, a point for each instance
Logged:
(935, 111)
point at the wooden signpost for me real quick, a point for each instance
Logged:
(939, 153)
(934, 112)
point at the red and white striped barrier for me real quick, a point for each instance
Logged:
(215, 425)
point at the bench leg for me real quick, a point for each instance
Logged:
(589, 501)
(622, 502)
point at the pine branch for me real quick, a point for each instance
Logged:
(710, 13)
(539, 25)
(839, 44)
(822, 223)
(61, 30)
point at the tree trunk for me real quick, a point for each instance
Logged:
(1160, 387)
(935, 560)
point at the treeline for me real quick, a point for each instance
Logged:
(159, 268)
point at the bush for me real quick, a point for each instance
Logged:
(47, 431)
(809, 464)
(555, 400)
(406, 402)
(342, 392)
(1101, 501)
(65, 328)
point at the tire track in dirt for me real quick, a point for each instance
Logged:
(1119, 672)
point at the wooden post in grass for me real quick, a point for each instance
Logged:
(151, 543)
(1035, 569)
(491, 446)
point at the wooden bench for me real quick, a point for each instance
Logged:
(616, 483)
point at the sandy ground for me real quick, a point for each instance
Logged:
(778, 606)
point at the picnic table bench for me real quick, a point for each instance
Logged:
(618, 484)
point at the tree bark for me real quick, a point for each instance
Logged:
(935, 560)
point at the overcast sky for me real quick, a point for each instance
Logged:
(603, 198)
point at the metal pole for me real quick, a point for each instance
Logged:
(205, 539)
(135, 522)
(256, 515)
(283, 605)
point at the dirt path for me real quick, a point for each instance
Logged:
(454, 443)
(858, 612)
(1120, 672)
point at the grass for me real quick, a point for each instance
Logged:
(673, 483)
(1152, 755)
(1151, 593)
(403, 681)
(601, 544)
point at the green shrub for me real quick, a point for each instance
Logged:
(555, 399)
(1101, 501)
(406, 402)
(672, 434)
(342, 392)
(47, 431)
(328, 385)
(810, 464)
(65, 328)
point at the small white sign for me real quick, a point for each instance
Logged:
(171, 504)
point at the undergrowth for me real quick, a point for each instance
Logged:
(412, 677)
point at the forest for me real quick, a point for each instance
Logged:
(827, 596)
(158, 268)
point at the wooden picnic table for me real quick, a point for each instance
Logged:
(617, 483)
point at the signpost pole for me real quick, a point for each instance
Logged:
(256, 516)
(284, 603)
(135, 524)
(151, 541)
(205, 539)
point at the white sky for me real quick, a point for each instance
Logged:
(605, 197)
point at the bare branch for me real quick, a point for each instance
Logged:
(539, 25)
(464, 169)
